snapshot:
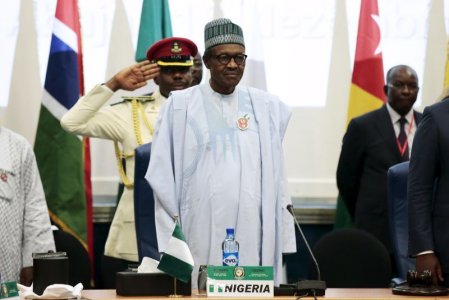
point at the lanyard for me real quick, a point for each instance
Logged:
(403, 148)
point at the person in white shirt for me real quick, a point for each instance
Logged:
(25, 223)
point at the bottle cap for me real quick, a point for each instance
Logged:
(230, 230)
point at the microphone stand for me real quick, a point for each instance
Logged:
(308, 287)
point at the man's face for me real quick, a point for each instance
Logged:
(173, 79)
(402, 89)
(197, 70)
(225, 76)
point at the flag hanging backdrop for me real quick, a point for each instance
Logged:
(144, 216)
(60, 154)
(155, 24)
(177, 260)
(445, 93)
(446, 68)
(367, 83)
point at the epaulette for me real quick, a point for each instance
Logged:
(142, 99)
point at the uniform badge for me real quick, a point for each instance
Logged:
(243, 122)
(175, 48)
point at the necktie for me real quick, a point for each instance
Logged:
(402, 139)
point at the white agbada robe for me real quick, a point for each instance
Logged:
(25, 223)
(224, 176)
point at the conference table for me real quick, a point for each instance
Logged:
(361, 294)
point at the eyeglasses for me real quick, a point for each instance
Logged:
(224, 59)
(401, 85)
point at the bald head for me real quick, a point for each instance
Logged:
(399, 68)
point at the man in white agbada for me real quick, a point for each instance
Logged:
(217, 162)
(25, 223)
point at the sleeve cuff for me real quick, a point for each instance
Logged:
(106, 88)
(425, 252)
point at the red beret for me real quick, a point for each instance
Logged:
(173, 51)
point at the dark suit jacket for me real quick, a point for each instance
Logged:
(369, 150)
(428, 185)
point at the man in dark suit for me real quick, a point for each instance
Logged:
(428, 193)
(372, 144)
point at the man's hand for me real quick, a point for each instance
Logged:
(26, 276)
(133, 77)
(430, 262)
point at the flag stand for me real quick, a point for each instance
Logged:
(174, 295)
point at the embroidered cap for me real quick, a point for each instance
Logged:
(222, 31)
(173, 51)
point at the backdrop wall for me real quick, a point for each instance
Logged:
(300, 50)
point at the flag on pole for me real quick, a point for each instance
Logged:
(367, 83)
(446, 67)
(155, 24)
(445, 92)
(177, 260)
(60, 155)
(25, 70)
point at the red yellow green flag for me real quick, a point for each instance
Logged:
(446, 73)
(368, 75)
(367, 83)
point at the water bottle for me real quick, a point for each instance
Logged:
(230, 249)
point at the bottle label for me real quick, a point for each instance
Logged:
(231, 259)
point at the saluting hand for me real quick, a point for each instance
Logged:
(133, 77)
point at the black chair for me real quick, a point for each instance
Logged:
(398, 217)
(79, 262)
(352, 258)
(144, 206)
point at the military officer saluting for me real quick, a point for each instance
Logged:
(129, 124)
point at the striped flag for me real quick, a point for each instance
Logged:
(155, 24)
(366, 92)
(367, 84)
(446, 67)
(60, 155)
(445, 92)
(177, 260)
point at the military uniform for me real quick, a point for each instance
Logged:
(116, 122)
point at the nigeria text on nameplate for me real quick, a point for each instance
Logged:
(241, 281)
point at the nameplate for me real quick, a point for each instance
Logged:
(247, 281)
(8, 290)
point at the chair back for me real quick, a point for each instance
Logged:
(398, 217)
(144, 206)
(79, 262)
(353, 258)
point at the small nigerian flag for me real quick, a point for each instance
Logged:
(177, 260)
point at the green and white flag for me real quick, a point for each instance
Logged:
(155, 24)
(177, 260)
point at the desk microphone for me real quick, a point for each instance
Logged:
(309, 287)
